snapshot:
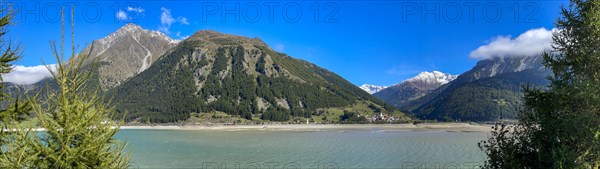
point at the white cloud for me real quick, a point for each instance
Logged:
(181, 37)
(533, 42)
(121, 15)
(28, 74)
(166, 20)
(134, 9)
(183, 20)
(165, 16)
(125, 16)
(279, 47)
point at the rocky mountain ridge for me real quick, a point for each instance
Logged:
(414, 88)
(126, 52)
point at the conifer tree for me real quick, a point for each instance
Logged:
(79, 131)
(559, 127)
(16, 110)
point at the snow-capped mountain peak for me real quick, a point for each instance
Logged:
(369, 88)
(127, 52)
(131, 29)
(433, 77)
(414, 88)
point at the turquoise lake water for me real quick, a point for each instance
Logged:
(303, 149)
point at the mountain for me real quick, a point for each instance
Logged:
(499, 65)
(414, 88)
(126, 52)
(490, 90)
(120, 55)
(212, 72)
(369, 88)
(14, 89)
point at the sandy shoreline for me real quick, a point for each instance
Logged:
(451, 127)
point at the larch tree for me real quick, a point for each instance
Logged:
(79, 126)
(559, 127)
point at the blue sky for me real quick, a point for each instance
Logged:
(374, 42)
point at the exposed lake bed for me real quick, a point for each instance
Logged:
(458, 127)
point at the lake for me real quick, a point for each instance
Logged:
(371, 148)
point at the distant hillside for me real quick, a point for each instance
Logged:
(371, 89)
(414, 88)
(215, 72)
(485, 99)
(492, 89)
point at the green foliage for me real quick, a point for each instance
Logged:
(260, 65)
(14, 110)
(559, 127)
(78, 127)
(375, 108)
(352, 117)
(161, 93)
(275, 115)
